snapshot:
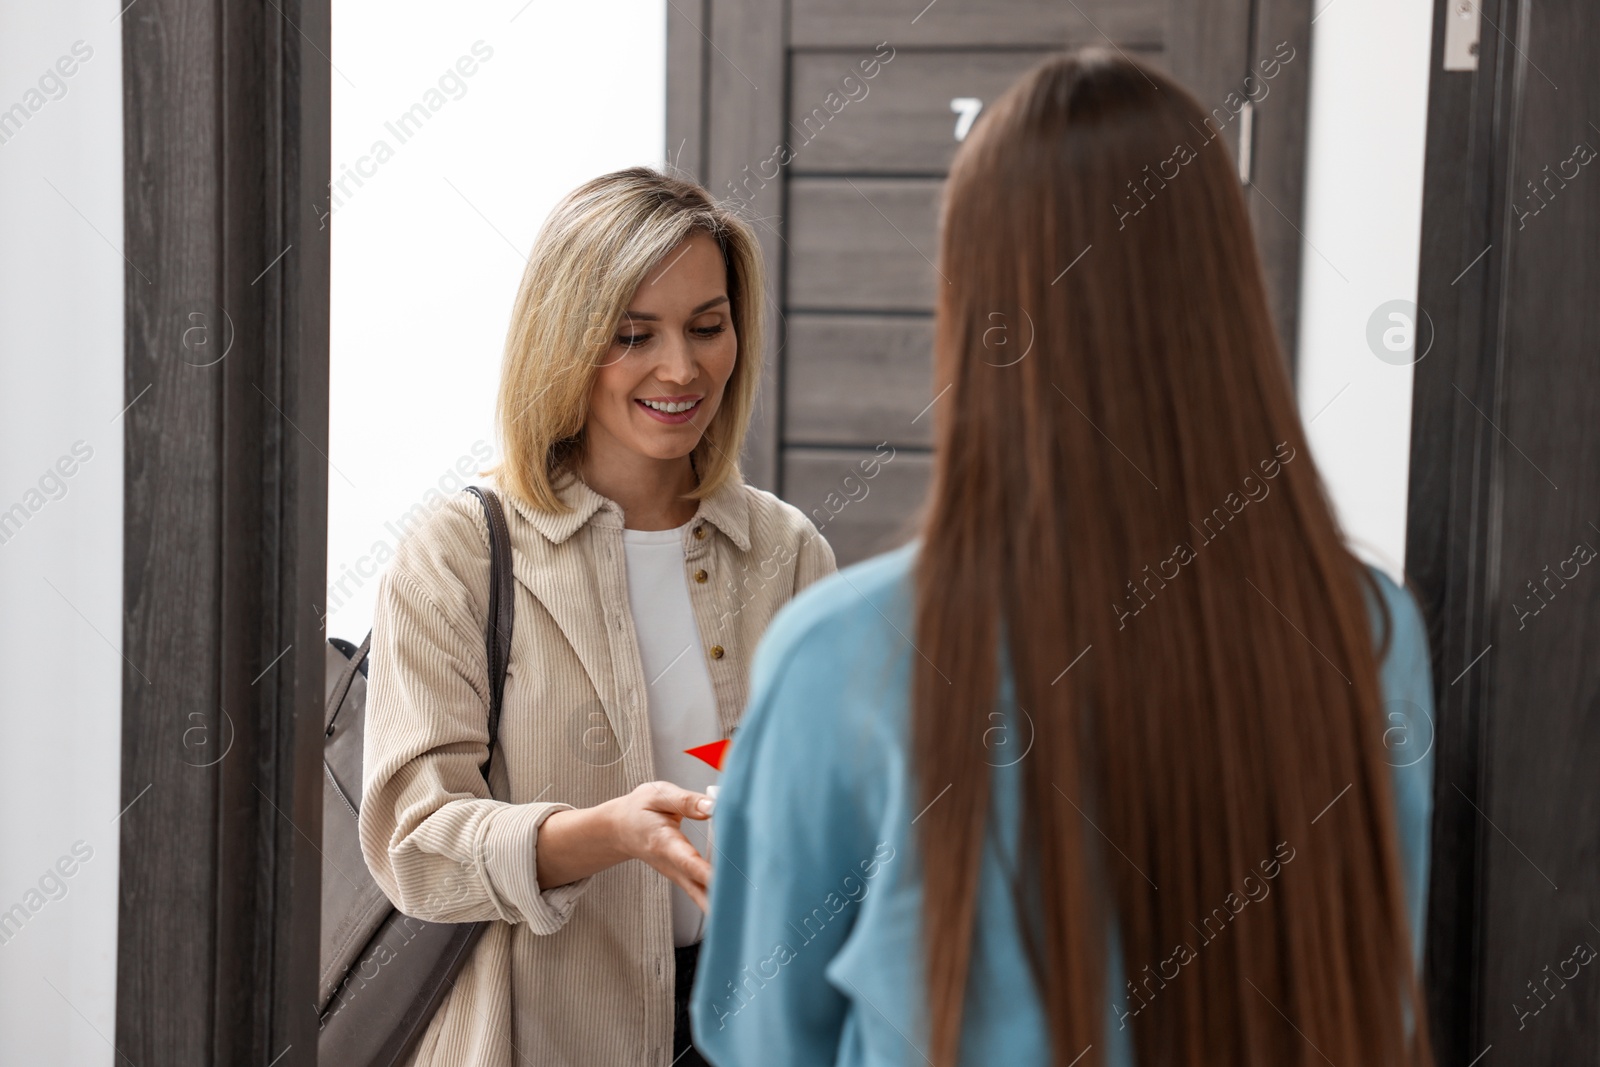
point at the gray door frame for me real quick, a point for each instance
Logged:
(1505, 478)
(225, 125)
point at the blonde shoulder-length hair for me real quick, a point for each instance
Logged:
(594, 250)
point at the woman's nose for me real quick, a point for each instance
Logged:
(677, 362)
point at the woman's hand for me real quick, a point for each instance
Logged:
(644, 824)
(647, 825)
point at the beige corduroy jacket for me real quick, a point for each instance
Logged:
(579, 975)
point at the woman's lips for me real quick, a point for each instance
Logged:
(671, 419)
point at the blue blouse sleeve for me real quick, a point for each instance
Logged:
(1406, 679)
(792, 859)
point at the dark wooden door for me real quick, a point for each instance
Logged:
(831, 125)
(1503, 532)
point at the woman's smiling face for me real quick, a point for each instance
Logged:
(661, 381)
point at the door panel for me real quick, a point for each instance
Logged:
(907, 119)
(831, 124)
(863, 245)
(855, 378)
(859, 515)
(1502, 529)
(970, 23)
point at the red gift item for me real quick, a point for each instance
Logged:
(711, 753)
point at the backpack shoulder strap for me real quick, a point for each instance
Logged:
(502, 609)
(341, 687)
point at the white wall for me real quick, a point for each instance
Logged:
(61, 547)
(428, 249)
(1369, 103)
(427, 252)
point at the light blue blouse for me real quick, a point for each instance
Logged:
(812, 952)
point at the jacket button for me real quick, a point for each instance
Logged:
(700, 575)
(699, 533)
(716, 651)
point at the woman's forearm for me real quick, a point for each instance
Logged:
(643, 824)
(576, 843)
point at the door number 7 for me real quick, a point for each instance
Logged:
(966, 109)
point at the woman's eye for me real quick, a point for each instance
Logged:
(709, 331)
(632, 340)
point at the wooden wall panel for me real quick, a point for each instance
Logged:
(975, 23)
(855, 378)
(864, 500)
(864, 246)
(744, 77)
(687, 55)
(898, 122)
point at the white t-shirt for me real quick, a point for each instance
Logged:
(681, 703)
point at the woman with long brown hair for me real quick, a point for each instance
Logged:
(1125, 756)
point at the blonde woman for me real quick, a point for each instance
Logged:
(646, 570)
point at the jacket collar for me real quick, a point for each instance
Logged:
(728, 509)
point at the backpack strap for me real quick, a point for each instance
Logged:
(341, 688)
(497, 635)
(502, 610)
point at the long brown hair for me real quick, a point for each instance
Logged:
(1124, 506)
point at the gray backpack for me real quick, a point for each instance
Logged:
(383, 973)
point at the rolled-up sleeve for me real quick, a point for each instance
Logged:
(441, 848)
